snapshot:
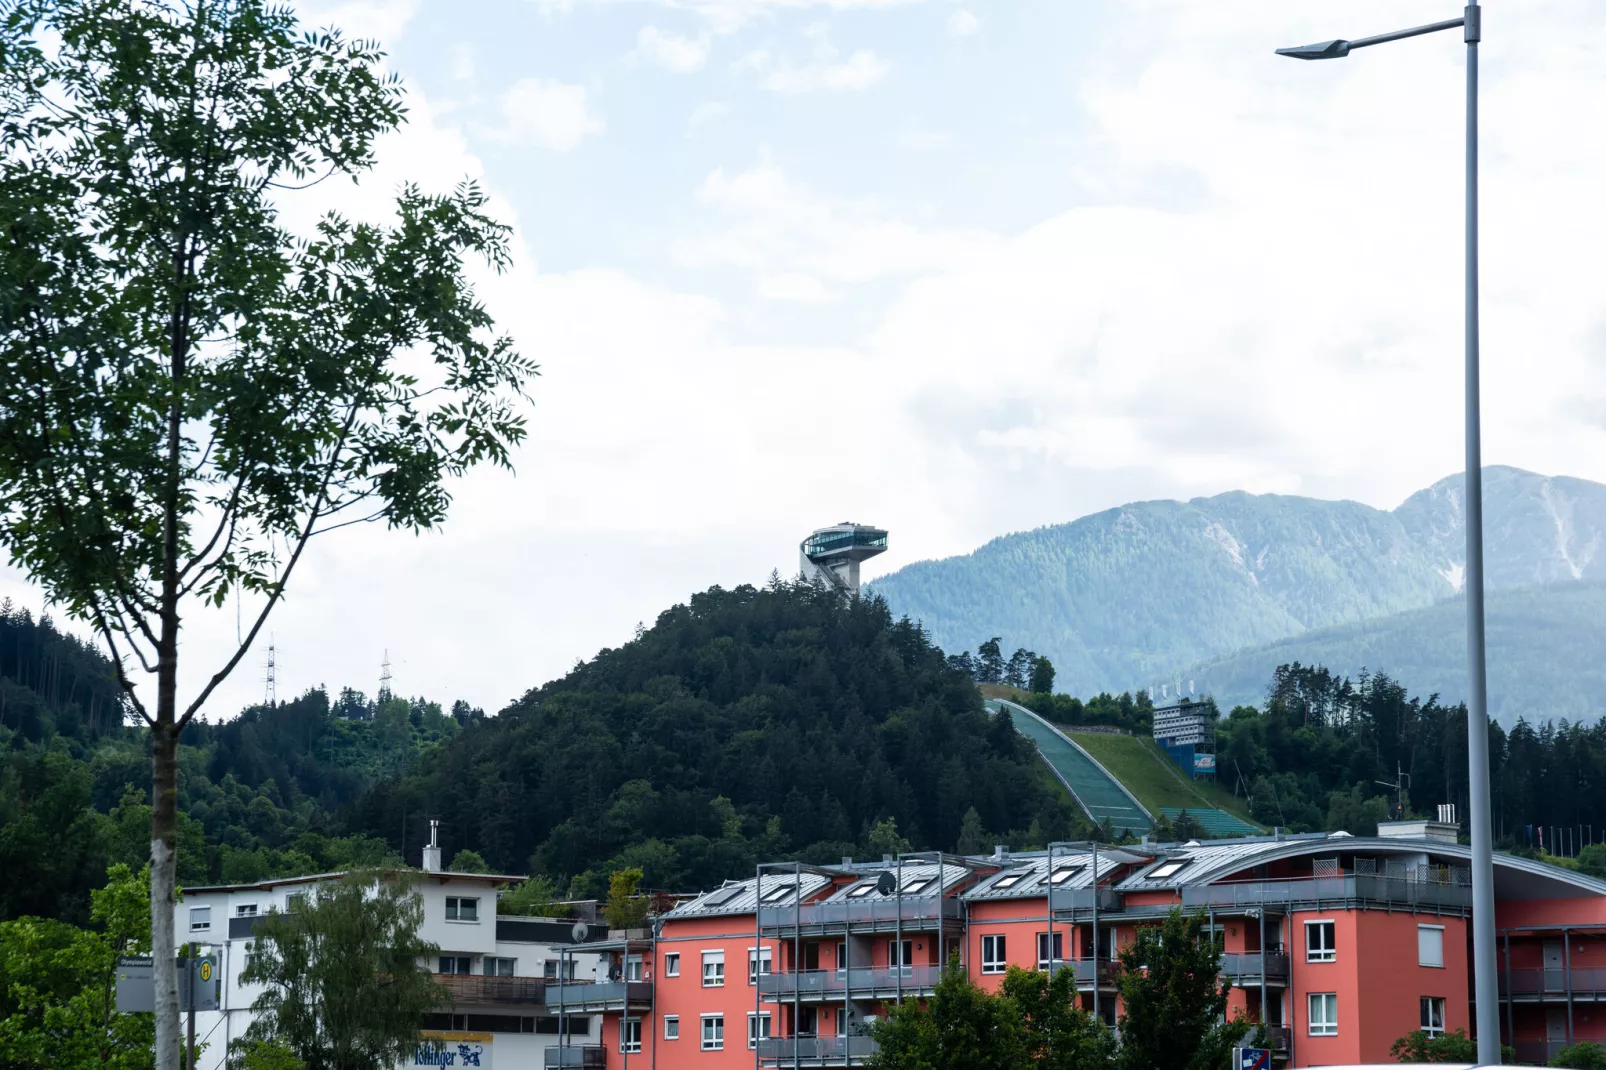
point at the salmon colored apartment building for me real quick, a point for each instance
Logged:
(1340, 944)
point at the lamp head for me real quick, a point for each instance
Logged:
(1325, 50)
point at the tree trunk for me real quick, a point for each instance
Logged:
(164, 879)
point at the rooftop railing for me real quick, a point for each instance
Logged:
(1349, 888)
(868, 913)
(834, 984)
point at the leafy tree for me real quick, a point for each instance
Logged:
(1042, 681)
(1418, 1047)
(961, 1027)
(973, 838)
(1175, 1000)
(1348, 812)
(58, 984)
(344, 987)
(624, 908)
(989, 662)
(1059, 1035)
(192, 391)
(1592, 860)
(885, 840)
(1581, 1056)
(1187, 827)
(536, 898)
(468, 861)
(248, 1054)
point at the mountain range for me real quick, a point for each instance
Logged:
(1227, 587)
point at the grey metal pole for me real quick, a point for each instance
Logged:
(845, 966)
(1263, 1013)
(1049, 899)
(1485, 980)
(797, 960)
(898, 939)
(758, 942)
(1096, 930)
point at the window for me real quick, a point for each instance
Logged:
(897, 957)
(671, 1027)
(862, 890)
(911, 885)
(1166, 869)
(1324, 1014)
(758, 961)
(633, 968)
(200, 919)
(1430, 945)
(1042, 949)
(841, 955)
(461, 909)
(495, 967)
(245, 910)
(294, 902)
(713, 969)
(1060, 875)
(1320, 941)
(992, 954)
(720, 898)
(455, 964)
(549, 969)
(576, 1025)
(1009, 880)
(1433, 1015)
(672, 964)
(630, 1035)
(713, 1032)
(776, 895)
(250, 956)
(758, 1028)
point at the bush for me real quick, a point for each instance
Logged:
(1581, 1056)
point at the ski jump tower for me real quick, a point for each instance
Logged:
(832, 555)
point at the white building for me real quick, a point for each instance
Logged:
(1182, 724)
(496, 968)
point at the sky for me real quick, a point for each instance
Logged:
(952, 268)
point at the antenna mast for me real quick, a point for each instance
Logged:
(384, 678)
(271, 680)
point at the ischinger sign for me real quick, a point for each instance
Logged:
(452, 1050)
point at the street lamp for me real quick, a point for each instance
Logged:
(1483, 941)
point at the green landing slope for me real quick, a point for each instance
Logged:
(1099, 794)
(1145, 771)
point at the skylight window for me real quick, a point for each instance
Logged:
(862, 890)
(720, 898)
(775, 895)
(1060, 875)
(1166, 869)
(1009, 880)
(916, 884)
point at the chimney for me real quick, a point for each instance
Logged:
(432, 850)
(886, 859)
(1000, 852)
(847, 860)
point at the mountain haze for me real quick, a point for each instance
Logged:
(1134, 595)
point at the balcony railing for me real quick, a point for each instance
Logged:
(1078, 901)
(610, 996)
(471, 988)
(1280, 1037)
(815, 1051)
(1245, 968)
(872, 913)
(835, 984)
(1351, 888)
(582, 1055)
(1554, 984)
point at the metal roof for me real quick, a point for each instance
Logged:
(1032, 869)
(911, 873)
(741, 897)
(322, 878)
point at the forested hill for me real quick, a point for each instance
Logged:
(1134, 595)
(745, 725)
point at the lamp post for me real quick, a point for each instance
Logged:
(1483, 928)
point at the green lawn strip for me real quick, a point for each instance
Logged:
(1150, 775)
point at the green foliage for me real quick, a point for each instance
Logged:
(1042, 681)
(467, 861)
(1592, 860)
(1059, 1035)
(343, 988)
(1174, 999)
(973, 838)
(535, 898)
(248, 1054)
(746, 725)
(1581, 1056)
(1349, 812)
(57, 984)
(624, 908)
(960, 1028)
(1418, 1047)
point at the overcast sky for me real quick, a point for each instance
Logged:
(955, 269)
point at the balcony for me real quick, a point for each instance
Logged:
(581, 1055)
(827, 985)
(471, 988)
(1537, 986)
(815, 1051)
(599, 998)
(1319, 892)
(1281, 1039)
(1244, 970)
(870, 914)
(1076, 902)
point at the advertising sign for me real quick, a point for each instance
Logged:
(1204, 763)
(454, 1050)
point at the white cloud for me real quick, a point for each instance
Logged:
(707, 112)
(672, 52)
(462, 62)
(962, 23)
(793, 287)
(725, 16)
(548, 113)
(859, 71)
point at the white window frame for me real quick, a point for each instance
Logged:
(1322, 954)
(1427, 1005)
(714, 978)
(635, 967)
(1045, 944)
(759, 960)
(1438, 932)
(994, 953)
(895, 956)
(671, 1027)
(672, 964)
(754, 1034)
(245, 910)
(494, 962)
(712, 1039)
(200, 919)
(454, 909)
(626, 1044)
(1323, 1026)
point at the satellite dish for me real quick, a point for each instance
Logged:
(886, 884)
(580, 931)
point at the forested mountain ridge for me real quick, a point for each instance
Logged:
(1136, 594)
